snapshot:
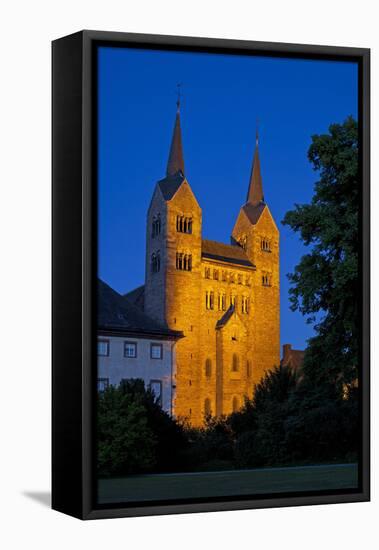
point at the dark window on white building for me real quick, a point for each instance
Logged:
(103, 348)
(156, 351)
(130, 349)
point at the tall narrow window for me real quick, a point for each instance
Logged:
(207, 273)
(209, 299)
(223, 302)
(248, 369)
(239, 279)
(208, 368)
(215, 274)
(235, 363)
(207, 407)
(224, 276)
(155, 262)
(156, 226)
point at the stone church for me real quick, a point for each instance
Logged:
(224, 298)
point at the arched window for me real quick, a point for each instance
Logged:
(183, 224)
(235, 362)
(155, 262)
(208, 368)
(265, 245)
(235, 404)
(183, 261)
(245, 304)
(248, 369)
(156, 226)
(207, 407)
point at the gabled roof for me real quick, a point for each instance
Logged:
(254, 212)
(225, 252)
(225, 318)
(170, 184)
(116, 313)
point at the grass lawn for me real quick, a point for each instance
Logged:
(228, 483)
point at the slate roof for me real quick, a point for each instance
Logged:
(255, 192)
(175, 162)
(170, 184)
(225, 252)
(137, 297)
(115, 312)
(253, 212)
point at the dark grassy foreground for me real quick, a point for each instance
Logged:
(228, 483)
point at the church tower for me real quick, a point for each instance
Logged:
(255, 230)
(173, 260)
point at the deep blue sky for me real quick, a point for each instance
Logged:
(222, 98)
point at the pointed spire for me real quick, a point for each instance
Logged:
(175, 162)
(255, 192)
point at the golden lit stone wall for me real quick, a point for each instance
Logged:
(206, 374)
(265, 325)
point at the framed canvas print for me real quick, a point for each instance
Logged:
(210, 274)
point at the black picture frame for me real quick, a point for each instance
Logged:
(74, 138)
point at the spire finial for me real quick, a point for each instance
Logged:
(255, 191)
(179, 96)
(257, 132)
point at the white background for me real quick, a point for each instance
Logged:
(27, 27)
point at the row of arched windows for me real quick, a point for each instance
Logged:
(155, 262)
(156, 226)
(222, 304)
(265, 244)
(183, 261)
(226, 276)
(266, 279)
(183, 224)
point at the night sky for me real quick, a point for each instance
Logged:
(223, 96)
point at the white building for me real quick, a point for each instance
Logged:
(131, 345)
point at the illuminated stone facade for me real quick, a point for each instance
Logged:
(223, 297)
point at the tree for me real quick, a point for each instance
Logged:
(126, 444)
(260, 426)
(325, 282)
(134, 434)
